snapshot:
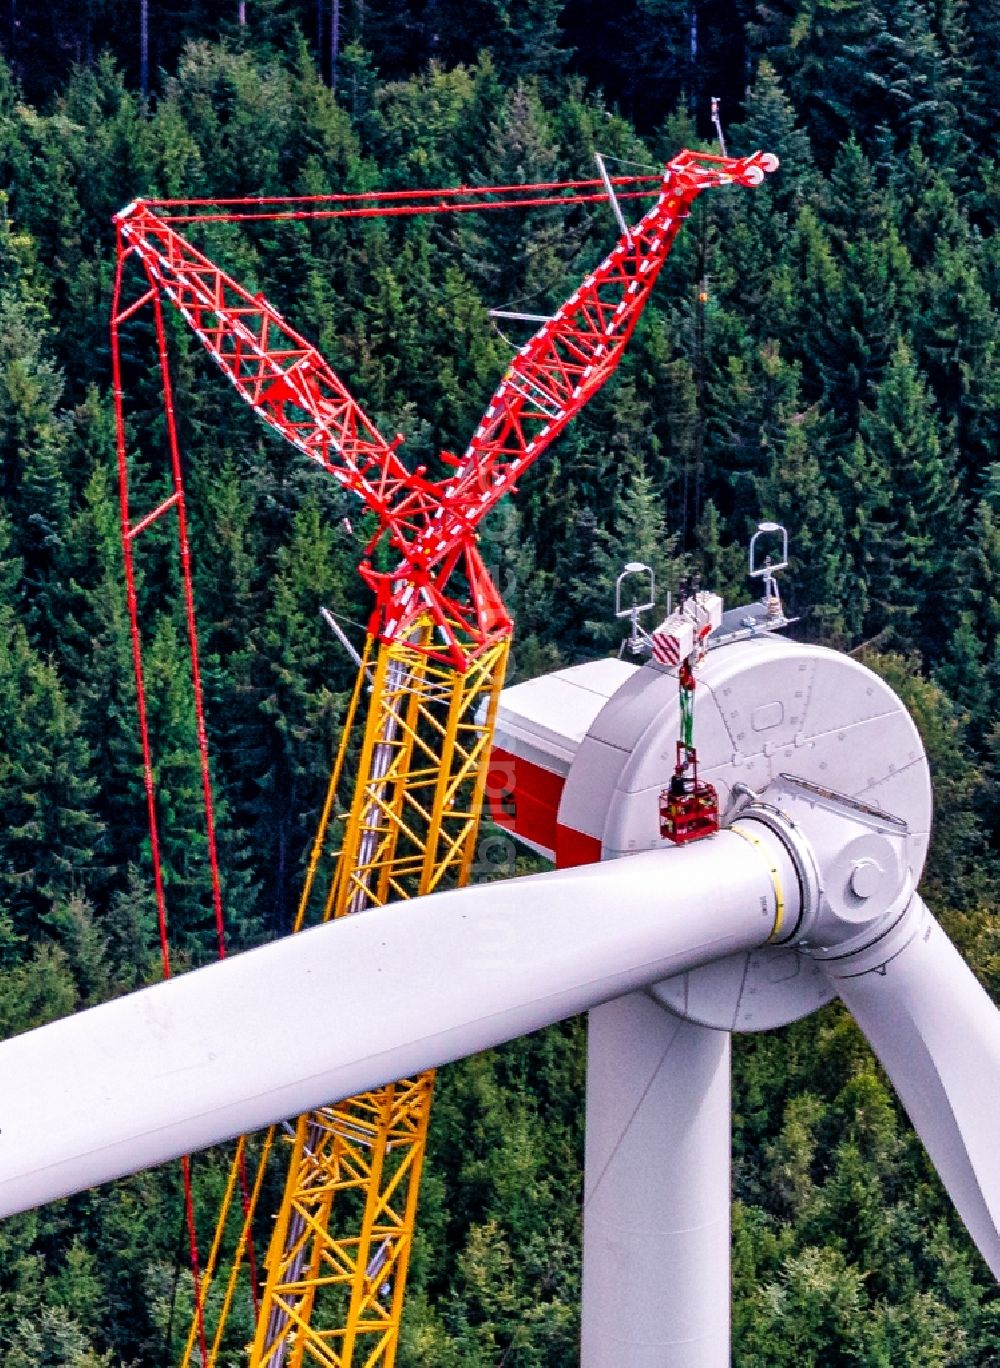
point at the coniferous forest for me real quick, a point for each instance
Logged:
(822, 351)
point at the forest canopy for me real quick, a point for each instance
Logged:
(823, 351)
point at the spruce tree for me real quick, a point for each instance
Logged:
(180, 814)
(302, 677)
(796, 494)
(95, 654)
(770, 123)
(720, 562)
(855, 204)
(955, 338)
(32, 455)
(971, 668)
(637, 531)
(517, 261)
(911, 578)
(51, 836)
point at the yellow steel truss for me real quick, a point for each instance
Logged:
(338, 1257)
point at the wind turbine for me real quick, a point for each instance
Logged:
(807, 892)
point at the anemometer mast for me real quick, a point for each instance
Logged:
(432, 669)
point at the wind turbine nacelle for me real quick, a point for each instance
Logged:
(581, 756)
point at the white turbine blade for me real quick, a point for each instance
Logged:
(937, 1035)
(355, 1004)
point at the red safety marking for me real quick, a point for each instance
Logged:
(666, 648)
(524, 797)
(575, 848)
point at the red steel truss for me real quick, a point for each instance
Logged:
(428, 525)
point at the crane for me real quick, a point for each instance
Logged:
(432, 668)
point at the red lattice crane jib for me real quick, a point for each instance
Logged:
(429, 526)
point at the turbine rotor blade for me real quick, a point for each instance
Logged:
(937, 1035)
(349, 1006)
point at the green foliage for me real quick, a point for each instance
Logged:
(769, 120)
(920, 519)
(51, 833)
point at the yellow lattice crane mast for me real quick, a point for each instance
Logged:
(331, 1291)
